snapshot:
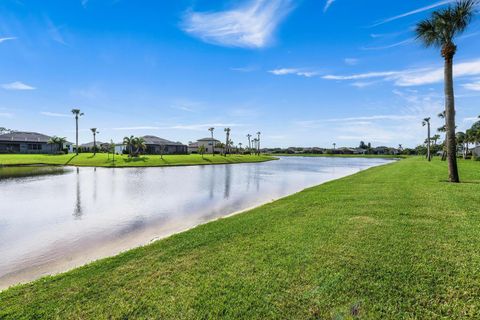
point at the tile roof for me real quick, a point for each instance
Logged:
(20, 136)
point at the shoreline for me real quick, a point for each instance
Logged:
(66, 269)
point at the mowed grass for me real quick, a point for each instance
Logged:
(382, 156)
(392, 242)
(105, 160)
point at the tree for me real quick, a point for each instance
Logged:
(213, 140)
(258, 142)
(59, 141)
(129, 144)
(201, 150)
(139, 144)
(435, 138)
(440, 31)
(95, 132)
(227, 141)
(77, 113)
(426, 122)
(249, 136)
(362, 145)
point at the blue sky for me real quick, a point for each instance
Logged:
(305, 73)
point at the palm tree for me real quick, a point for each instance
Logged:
(439, 31)
(95, 132)
(461, 139)
(77, 114)
(240, 147)
(249, 142)
(213, 140)
(227, 141)
(334, 146)
(129, 143)
(435, 139)
(258, 142)
(426, 122)
(201, 150)
(139, 144)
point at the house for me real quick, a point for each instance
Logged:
(476, 151)
(156, 145)
(29, 142)
(208, 143)
(88, 147)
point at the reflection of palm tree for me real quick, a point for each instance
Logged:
(77, 211)
(77, 114)
(440, 31)
(228, 181)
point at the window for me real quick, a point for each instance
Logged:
(34, 146)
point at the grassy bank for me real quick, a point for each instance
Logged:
(104, 160)
(395, 241)
(382, 156)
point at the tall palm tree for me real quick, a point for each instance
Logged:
(258, 142)
(440, 31)
(249, 136)
(227, 141)
(426, 122)
(77, 113)
(95, 132)
(129, 143)
(213, 140)
(240, 147)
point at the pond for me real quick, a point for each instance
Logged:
(52, 223)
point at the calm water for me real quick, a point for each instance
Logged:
(52, 223)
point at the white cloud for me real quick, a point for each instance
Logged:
(409, 13)
(204, 127)
(6, 115)
(7, 39)
(137, 128)
(475, 86)
(394, 45)
(471, 119)
(298, 72)
(247, 26)
(351, 61)
(17, 85)
(328, 4)
(414, 77)
(54, 114)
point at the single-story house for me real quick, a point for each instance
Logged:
(29, 142)
(88, 147)
(157, 145)
(209, 144)
(476, 151)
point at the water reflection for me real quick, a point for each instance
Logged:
(116, 209)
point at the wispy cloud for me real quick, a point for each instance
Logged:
(393, 45)
(475, 86)
(294, 71)
(250, 25)
(54, 114)
(471, 119)
(137, 128)
(244, 69)
(55, 32)
(193, 127)
(409, 13)
(328, 4)
(17, 85)
(414, 77)
(7, 39)
(351, 61)
(6, 115)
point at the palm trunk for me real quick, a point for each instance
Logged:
(450, 121)
(429, 156)
(76, 134)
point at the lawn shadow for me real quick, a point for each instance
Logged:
(135, 159)
(70, 160)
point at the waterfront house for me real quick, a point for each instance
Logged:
(28, 142)
(208, 143)
(156, 145)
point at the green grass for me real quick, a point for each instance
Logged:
(103, 160)
(383, 156)
(392, 242)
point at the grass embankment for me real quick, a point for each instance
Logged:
(395, 241)
(105, 160)
(383, 156)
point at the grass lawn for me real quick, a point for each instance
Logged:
(392, 242)
(384, 156)
(103, 160)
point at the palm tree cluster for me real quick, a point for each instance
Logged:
(470, 136)
(58, 141)
(439, 31)
(229, 146)
(135, 145)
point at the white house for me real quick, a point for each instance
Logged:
(208, 143)
(476, 151)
